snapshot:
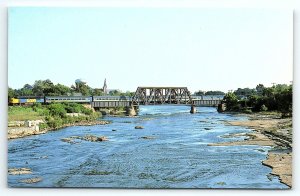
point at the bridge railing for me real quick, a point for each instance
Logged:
(128, 98)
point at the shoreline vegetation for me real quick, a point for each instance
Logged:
(39, 119)
(269, 129)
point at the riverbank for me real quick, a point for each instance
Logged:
(268, 130)
(39, 119)
(20, 132)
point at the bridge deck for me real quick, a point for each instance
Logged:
(124, 103)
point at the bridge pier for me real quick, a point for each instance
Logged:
(193, 109)
(131, 110)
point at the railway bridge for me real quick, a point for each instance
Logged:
(157, 96)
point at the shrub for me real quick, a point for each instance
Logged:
(73, 107)
(263, 108)
(43, 126)
(57, 109)
(86, 111)
(55, 122)
(236, 108)
(247, 111)
(36, 107)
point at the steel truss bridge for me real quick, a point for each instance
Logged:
(161, 95)
(156, 96)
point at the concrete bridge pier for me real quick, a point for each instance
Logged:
(131, 110)
(193, 109)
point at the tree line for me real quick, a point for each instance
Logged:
(276, 98)
(200, 93)
(48, 88)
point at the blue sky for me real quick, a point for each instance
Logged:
(207, 49)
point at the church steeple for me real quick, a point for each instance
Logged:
(104, 87)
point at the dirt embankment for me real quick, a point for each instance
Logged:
(268, 131)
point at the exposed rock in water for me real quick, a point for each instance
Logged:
(95, 172)
(139, 127)
(93, 138)
(68, 140)
(207, 128)
(31, 180)
(145, 119)
(221, 183)
(126, 122)
(43, 157)
(233, 135)
(19, 171)
(75, 137)
(254, 138)
(90, 138)
(113, 130)
(148, 137)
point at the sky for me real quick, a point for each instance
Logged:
(202, 49)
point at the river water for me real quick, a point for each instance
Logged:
(177, 156)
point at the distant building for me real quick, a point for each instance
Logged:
(104, 89)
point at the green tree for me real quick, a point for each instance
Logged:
(255, 102)
(11, 93)
(115, 93)
(232, 102)
(25, 91)
(281, 88)
(82, 88)
(245, 92)
(260, 89)
(214, 93)
(199, 93)
(43, 87)
(60, 89)
(97, 92)
(269, 92)
(284, 101)
(127, 93)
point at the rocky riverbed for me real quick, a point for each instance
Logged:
(268, 130)
(170, 151)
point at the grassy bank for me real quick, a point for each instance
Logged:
(17, 113)
(54, 115)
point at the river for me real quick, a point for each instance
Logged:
(176, 156)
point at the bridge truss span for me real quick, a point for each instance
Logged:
(161, 95)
